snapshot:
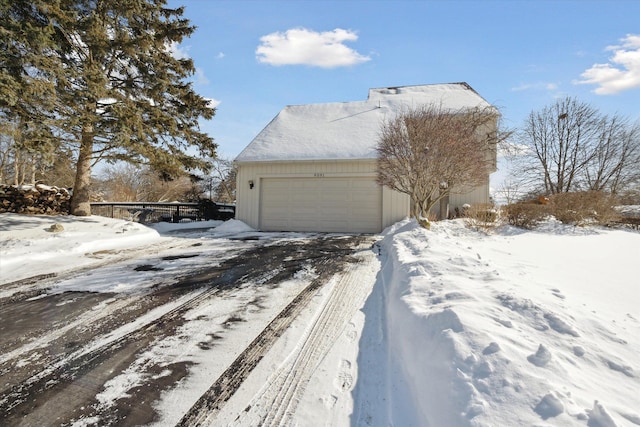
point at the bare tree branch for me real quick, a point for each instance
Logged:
(430, 152)
(571, 146)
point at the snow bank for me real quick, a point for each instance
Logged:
(165, 227)
(29, 246)
(233, 226)
(517, 328)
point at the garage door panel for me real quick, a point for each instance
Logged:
(362, 196)
(321, 204)
(336, 199)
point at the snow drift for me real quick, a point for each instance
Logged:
(515, 328)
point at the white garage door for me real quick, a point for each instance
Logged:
(344, 205)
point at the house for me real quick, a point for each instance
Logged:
(313, 167)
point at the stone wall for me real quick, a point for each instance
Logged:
(34, 199)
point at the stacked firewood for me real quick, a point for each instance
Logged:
(34, 199)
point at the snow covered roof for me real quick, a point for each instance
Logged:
(348, 130)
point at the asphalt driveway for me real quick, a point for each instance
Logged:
(105, 358)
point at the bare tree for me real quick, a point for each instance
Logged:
(127, 183)
(5, 156)
(559, 137)
(509, 191)
(121, 183)
(226, 192)
(570, 146)
(616, 155)
(221, 182)
(431, 152)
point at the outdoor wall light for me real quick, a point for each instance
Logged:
(251, 184)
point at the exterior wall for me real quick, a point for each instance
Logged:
(479, 195)
(395, 206)
(490, 131)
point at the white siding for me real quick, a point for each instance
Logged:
(479, 195)
(395, 206)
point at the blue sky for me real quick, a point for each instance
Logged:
(255, 57)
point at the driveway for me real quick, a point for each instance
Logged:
(191, 323)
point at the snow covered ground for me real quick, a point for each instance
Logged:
(513, 328)
(29, 247)
(448, 327)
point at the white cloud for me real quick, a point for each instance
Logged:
(539, 85)
(300, 46)
(212, 103)
(200, 77)
(621, 73)
(220, 55)
(177, 51)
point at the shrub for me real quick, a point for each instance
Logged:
(482, 216)
(631, 196)
(584, 207)
(525, 215)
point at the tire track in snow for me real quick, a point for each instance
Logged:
(275, 403)
(69, 380)
(282, 395)
(29, 287)
(226, 385)
(83, 320)
(66, 367)
(49, 352)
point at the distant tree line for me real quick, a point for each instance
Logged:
(128, 183)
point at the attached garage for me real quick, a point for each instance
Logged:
(346, 204)
(313, 167)
(339, 196)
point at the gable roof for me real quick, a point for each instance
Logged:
(348, 130)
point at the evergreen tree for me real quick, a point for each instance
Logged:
(27, 77)
(120, 93)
